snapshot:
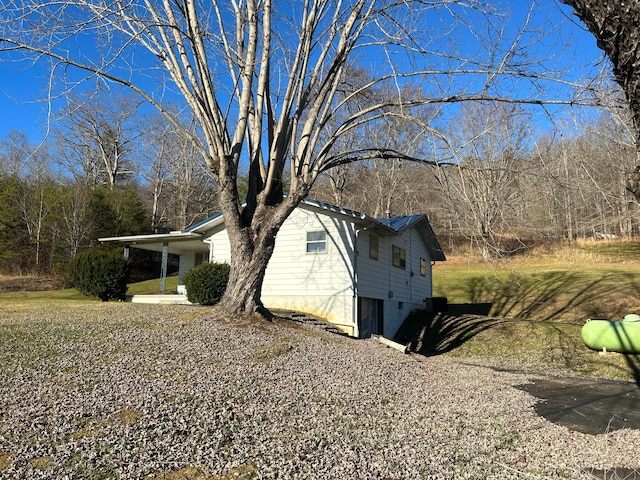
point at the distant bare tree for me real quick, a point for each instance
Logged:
(76, 225)
(181, 188)
(99, 137)
(15, 152)
(483, 186)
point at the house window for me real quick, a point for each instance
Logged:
(200, 258)
(373, 246)
(399, 257)
(317, 242)
(423, 267)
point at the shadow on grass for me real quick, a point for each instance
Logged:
(556, 295)
(557, 344)
(436, 333)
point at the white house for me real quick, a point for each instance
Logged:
(362, 274)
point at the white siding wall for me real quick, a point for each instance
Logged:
(187, 260)
(220, 248)
(373, 275)
(323, 283)
(400, 290)
(317, 283)
(219, 251)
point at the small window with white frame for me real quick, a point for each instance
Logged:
(317, 241)
(423, 267)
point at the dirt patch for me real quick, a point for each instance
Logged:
(30, 283)
(587, 406)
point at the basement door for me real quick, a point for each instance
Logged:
(370, 317)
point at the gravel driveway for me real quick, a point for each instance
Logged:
(159, 392)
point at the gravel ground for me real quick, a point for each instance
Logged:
(157, 392)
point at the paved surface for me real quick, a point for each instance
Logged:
(588, 406)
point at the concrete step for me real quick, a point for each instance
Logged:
(159, 299)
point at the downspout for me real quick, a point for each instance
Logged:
(411, 265)
(210, 242)
(394, 345)
(354, 288)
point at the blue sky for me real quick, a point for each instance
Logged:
(19, 92)
(21, 87)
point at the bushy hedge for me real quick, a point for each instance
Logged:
(100, 272)
(206, 283)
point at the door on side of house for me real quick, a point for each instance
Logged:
(370, 317)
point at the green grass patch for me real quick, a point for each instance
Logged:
(152, 287)
(67, 295)
(546, 347)
(527, 312)
(555, 291)
(71, 295)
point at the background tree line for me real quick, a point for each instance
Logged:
(109, 168)
(507, 185)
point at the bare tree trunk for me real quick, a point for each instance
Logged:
(245, 279)
(251, 251)
(615, 25)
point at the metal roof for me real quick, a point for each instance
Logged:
(400, 222)
(421, 222)
(195, 226)
(192, 236)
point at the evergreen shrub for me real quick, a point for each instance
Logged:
(206, 283)
(100, 272)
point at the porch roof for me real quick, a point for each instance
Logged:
(177, 242)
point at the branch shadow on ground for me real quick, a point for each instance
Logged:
(440, 332)
(431, 334)
(633, 361)
(554, 296)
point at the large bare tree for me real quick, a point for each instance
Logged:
(615, 23)
(262, 77)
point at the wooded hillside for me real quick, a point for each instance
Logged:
(509, 188)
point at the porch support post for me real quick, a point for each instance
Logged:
(163, 268)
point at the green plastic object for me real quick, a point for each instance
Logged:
(613, 335)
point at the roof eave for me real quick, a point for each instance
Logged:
(430, 240)
(152, 238)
